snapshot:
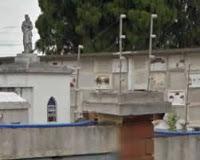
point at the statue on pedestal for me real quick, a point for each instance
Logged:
(27, 28)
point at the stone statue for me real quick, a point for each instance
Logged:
(27, 34)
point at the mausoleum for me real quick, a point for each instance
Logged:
(45, 87)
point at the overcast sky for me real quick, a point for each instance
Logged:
(11, 16)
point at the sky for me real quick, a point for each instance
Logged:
(11, 16)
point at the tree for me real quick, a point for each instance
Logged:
(187, 29)
(64, 24)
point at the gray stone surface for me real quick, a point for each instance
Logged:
(57, 142)
(14, 116)
(30, 63)
(14, 105)
(27, 58)
(13, 112)
(177, 148)
(130, 103)
(108, 156)
(34, 68)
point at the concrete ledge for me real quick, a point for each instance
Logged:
(127, 104)
(14, 105)
(61, 141)
(177, 148)
(27, 58)
(127, 109)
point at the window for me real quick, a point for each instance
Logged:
(51, 110)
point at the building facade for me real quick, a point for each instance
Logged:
(168, 73)
(45, 87)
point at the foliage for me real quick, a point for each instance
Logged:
(189, 24)
(64, 24)
(172, 119)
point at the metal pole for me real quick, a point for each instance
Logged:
(77, 79)
(187, 96)
(78, 66)
(120, 55)
(151, 36)
(150, 52)
(121, 37)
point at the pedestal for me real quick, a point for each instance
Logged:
(133, 112)
(27, 58)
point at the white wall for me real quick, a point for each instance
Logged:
(139, 72)
(14, 116)
(41, 88)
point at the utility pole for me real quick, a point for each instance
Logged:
(121, 37)
(151, 36)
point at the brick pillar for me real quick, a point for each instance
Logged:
(136, 137)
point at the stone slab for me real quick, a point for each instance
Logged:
(127, 104)
(27, 143)
(27, 58)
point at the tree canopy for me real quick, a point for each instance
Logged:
(64, 24)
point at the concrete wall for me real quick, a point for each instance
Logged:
(174, 77)
(85, 143)
(165, 76)
(139, 72)
(177, 148)
(37, 89)
(91, 67)
(107, 156)
(14, 116)
(60, 141)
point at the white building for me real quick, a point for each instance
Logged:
(45, 87)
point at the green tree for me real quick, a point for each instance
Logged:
(187, 29)
(64, 24)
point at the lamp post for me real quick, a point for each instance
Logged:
(121, 37)
(153, 16)
(80, 47)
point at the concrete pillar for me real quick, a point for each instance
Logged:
(135, 114)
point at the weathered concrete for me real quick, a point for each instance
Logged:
(27, 58)
(62, 141)
(36, 83)
(34, 68)
(13, 108)
(85, 143)
(107, 156)
(136, 110)
(177, 148)
(165, 75)
(14, 116)
(131, 103)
